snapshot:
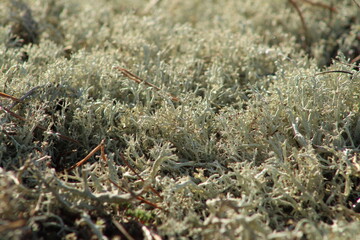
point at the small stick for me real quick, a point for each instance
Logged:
(136, 78)
(15, 115)
(300, 15)
(356, 58)
(319, 4)
(103, 156)
(137, 197)
(9, 96)
(129, 166)
(38, 126)
(12, 225)
(82, 161)
(140, 80)
(133, 170)
(335, 71)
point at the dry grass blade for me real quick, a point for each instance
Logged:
(140, 80)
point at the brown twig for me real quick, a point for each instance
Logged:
(133, 170)
(9, 96)
(102, 150)
(293, 2)
(137, 197)
(38, 126)
(15, 115)
(140, 80)
(82, 161)
(12, 225)
(319, 4)
(355, 59)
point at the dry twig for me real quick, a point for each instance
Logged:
(140, 80)
(133, 170)
(293, 2)
(303, 23)
(354, 60)
(319, 4)
(136, 196)
(97, 148)
(9, 96)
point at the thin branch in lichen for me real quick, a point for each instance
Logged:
(10, 226)
(133, 170)
(293, 2)
(319, 4)
(137, 197)
(9, 96)
(355, 59)
(140, 80)
(85, 159)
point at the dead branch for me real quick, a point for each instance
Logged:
(9, 96)
(133, 170)
(140, 80)
(82, 161)
(319, 4)
(293, 2)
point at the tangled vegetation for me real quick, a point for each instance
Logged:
(179, 119)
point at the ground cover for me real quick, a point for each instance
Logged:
(179, 119)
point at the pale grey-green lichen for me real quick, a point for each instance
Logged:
(260, 145)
